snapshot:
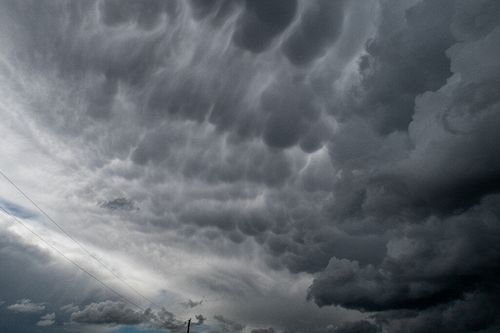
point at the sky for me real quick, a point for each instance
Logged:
(258, 166)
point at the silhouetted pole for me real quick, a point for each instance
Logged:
(189, 324)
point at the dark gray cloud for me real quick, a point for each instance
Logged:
(227, 325)
(403, 61)
(119, 204)
(442, 184)
(199, 319)
(268, 144)
(108, 312)
(192, 304)
(458, 316)
(423, 266)
(261, 21)
(291, 113)
(119, 313)
(449, 176)
(361, 326)
(320, 25)
(216, 10)
(263, 330)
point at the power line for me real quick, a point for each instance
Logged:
(71, 261)
(77, 242)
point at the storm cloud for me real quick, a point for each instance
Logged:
(361, 326)
(337, 158)
(119, 313)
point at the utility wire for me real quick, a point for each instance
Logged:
(77, 242)
(71, 261)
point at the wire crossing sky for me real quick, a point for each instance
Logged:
(80, 246)
(71, 261)
(259, 166)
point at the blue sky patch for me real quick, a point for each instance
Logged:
(17, 210)
(134, 329)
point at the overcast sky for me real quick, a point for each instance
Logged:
(259, 166)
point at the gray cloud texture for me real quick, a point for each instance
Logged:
(340, 151)
(192, 304)
(26, 306)
(47, 320)
(118, 204)
(108, 312)
(119, 313)
(361, 326)
(228, 325)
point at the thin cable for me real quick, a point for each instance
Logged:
(71, 261)
(77, 242)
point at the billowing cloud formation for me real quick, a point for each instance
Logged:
(47, 320)
(422, 267)
(108, 312)
(443, 184)
(26, 306)
(344, 151)
(118, 313)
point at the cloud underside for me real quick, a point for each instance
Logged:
(119, 313)
(354, 142)
(26, 306)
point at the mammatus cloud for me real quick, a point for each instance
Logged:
(261, 22)
(25, 305)
(319, 27)
(340, 151)
(47, 320)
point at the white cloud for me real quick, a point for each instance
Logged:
(26, 306)
(47, 320)
(69, 308)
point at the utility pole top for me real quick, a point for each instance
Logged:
(189, 324)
